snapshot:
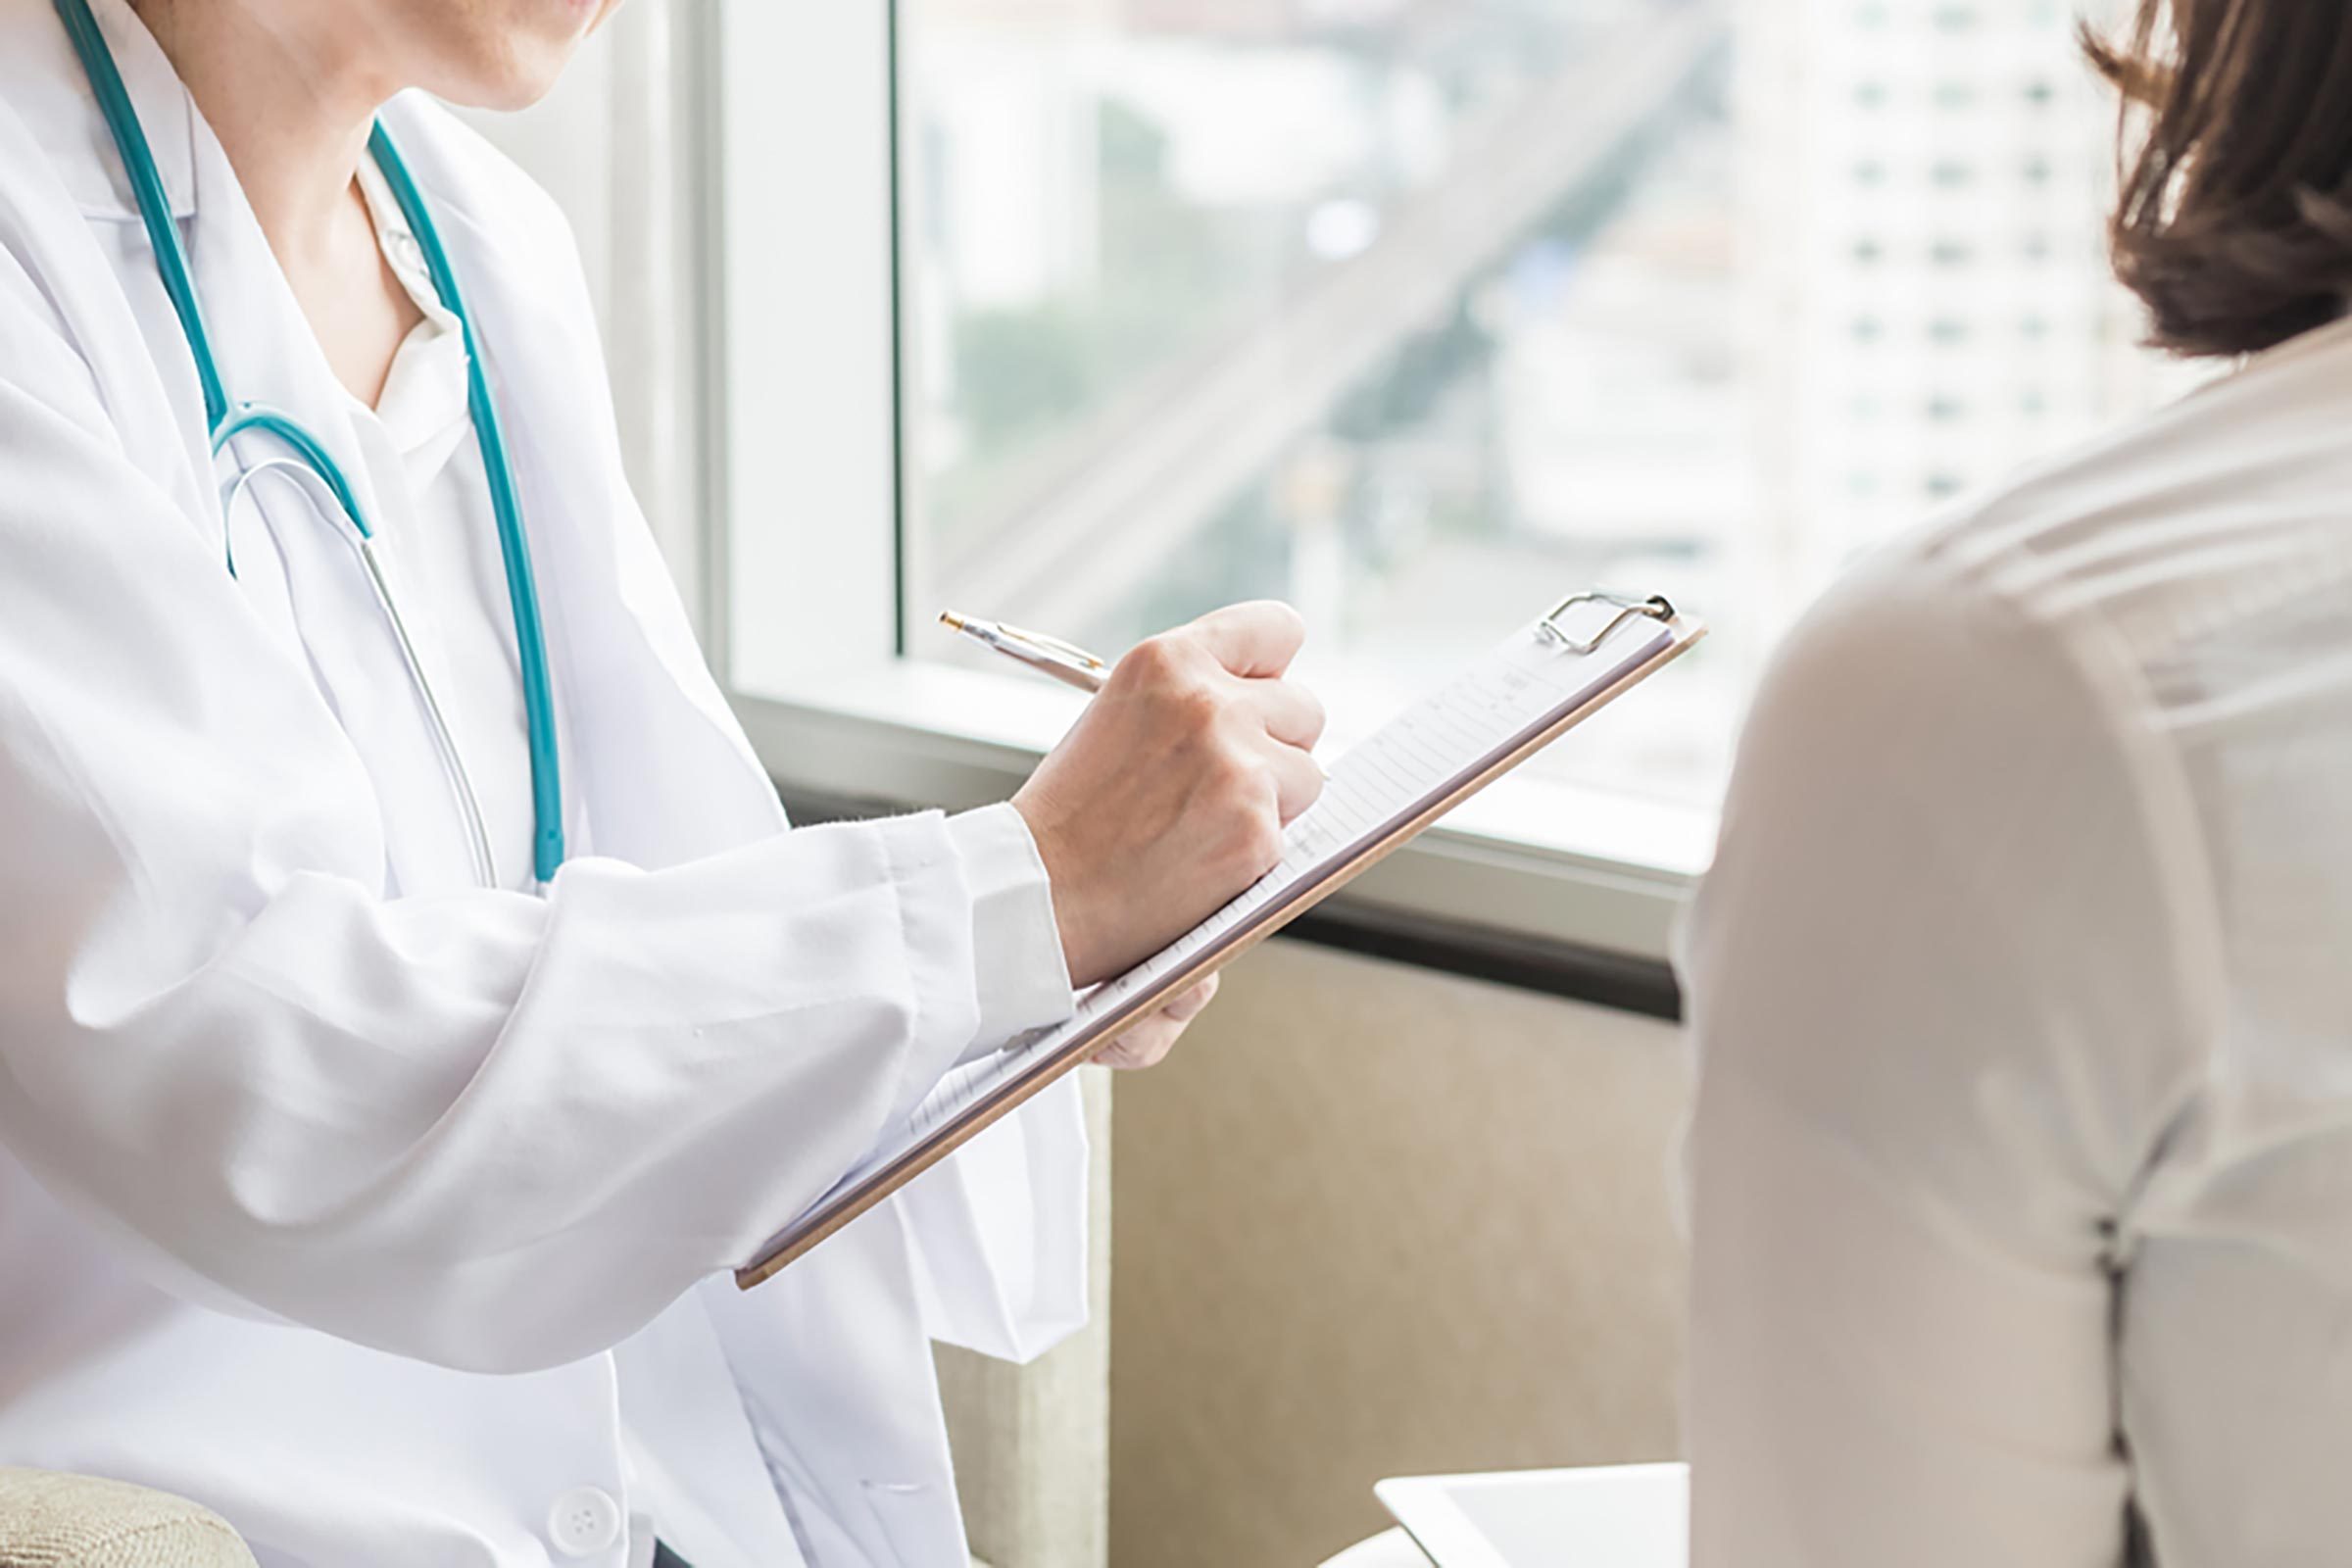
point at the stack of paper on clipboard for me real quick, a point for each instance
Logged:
(1542, 682)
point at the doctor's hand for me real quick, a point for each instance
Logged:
(1170, 793)
(1150, 1039)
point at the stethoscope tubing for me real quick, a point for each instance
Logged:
(147, 191)
(228, 420)
(452, 766)
(445, 741)
(506, 503)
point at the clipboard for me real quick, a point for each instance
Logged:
(1551, 675)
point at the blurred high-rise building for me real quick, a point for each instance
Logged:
(1402, 308)
(1928, 297)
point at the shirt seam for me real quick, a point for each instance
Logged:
(2097, 652)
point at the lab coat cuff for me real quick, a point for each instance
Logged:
(1021, 980)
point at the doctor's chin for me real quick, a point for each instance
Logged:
(1175, 783)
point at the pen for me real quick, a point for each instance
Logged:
(1048, 656)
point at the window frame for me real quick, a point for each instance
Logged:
(1570, 889)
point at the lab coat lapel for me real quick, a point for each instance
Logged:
(298, 571)
(665, 773)
(95, 293)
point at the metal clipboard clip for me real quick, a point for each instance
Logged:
(1655, 606)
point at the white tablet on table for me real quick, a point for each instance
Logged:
(1625, 1516)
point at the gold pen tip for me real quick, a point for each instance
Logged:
(952, 621)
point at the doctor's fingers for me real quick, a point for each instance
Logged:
(1258, 638)
(1291, 712)
(1192, 1000)
(1298, 779)
(1147, 1043)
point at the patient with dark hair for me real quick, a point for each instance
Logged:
(2022, 1165)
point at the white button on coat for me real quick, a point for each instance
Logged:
(583, 1522)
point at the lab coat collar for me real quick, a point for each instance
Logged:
(41, 75)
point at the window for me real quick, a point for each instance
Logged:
(1417, 313)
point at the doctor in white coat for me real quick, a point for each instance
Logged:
(381, 1199)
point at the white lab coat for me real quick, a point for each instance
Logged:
(363, 1207)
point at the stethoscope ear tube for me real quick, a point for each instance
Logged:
(445, 741)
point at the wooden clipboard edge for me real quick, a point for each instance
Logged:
(1683, 632)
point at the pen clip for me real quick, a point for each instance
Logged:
(1657, 606)
(1069, 651)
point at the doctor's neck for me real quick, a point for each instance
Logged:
(291, 94)
(291, 87)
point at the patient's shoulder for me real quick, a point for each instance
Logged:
(2181, 536)
(2120, 673)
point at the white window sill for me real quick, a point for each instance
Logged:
(1530, 858)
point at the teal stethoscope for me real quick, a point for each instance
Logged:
(228, 420)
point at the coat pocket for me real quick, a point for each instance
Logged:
(919, 1521)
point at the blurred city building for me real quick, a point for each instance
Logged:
(1422, 312)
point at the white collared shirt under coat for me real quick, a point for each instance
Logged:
(389, 1216)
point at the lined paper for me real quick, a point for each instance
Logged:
(1418, 759)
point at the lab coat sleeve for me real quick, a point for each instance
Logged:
(487, 1130)
(1946, 982)
(1017, 961)
(998, 1231)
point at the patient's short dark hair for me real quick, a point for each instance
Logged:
(2233, 214)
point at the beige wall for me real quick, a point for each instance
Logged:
(1373, 1221)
